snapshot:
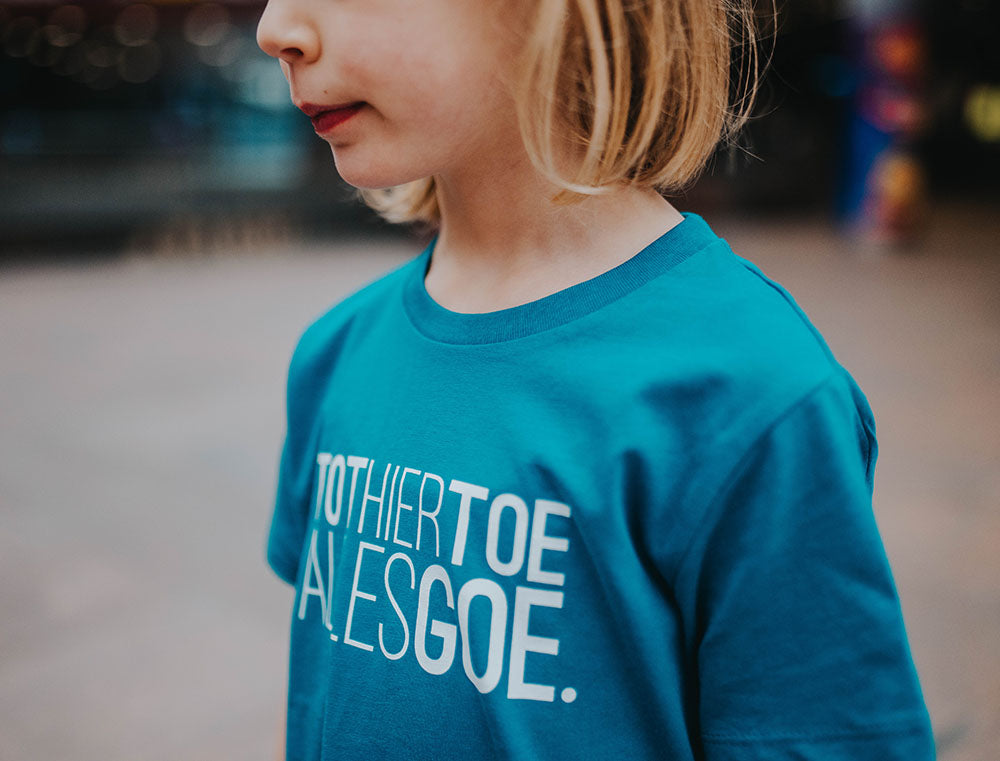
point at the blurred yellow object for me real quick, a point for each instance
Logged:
(982, 112)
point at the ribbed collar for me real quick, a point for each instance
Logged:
(441, 324)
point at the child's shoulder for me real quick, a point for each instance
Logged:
(717, 315)
(722, 347)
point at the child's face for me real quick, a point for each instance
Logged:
(426, 71)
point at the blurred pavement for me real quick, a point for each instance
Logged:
(141, 416)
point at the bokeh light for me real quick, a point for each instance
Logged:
(207, 24)
(982, 112)
(65, 25)
(136, 24)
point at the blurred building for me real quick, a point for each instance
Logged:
(118, 116)
(123, 116)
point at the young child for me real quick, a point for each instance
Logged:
(576, 482)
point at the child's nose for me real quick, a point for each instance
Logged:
(285, 32)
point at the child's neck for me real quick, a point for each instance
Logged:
(522, 249)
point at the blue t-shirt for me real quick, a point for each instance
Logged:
(631, 519)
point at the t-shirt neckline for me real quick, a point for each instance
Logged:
(442, 324)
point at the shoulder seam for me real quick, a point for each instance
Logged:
(790, 301)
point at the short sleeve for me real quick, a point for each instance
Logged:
(796, 638)
(288, 520)
(291, 503)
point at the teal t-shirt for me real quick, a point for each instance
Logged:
(631, 519)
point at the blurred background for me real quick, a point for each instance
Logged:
(169, 224)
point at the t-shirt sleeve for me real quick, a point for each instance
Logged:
(291, 503)
(284, 540)
(796, 638)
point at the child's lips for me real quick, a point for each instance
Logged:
(314, 109)
(326, 117)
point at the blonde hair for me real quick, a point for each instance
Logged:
(640, 92)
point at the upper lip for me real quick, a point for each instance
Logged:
(313, 110)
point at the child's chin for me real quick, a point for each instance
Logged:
(368, 175)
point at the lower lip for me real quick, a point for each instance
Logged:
(327, 120)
